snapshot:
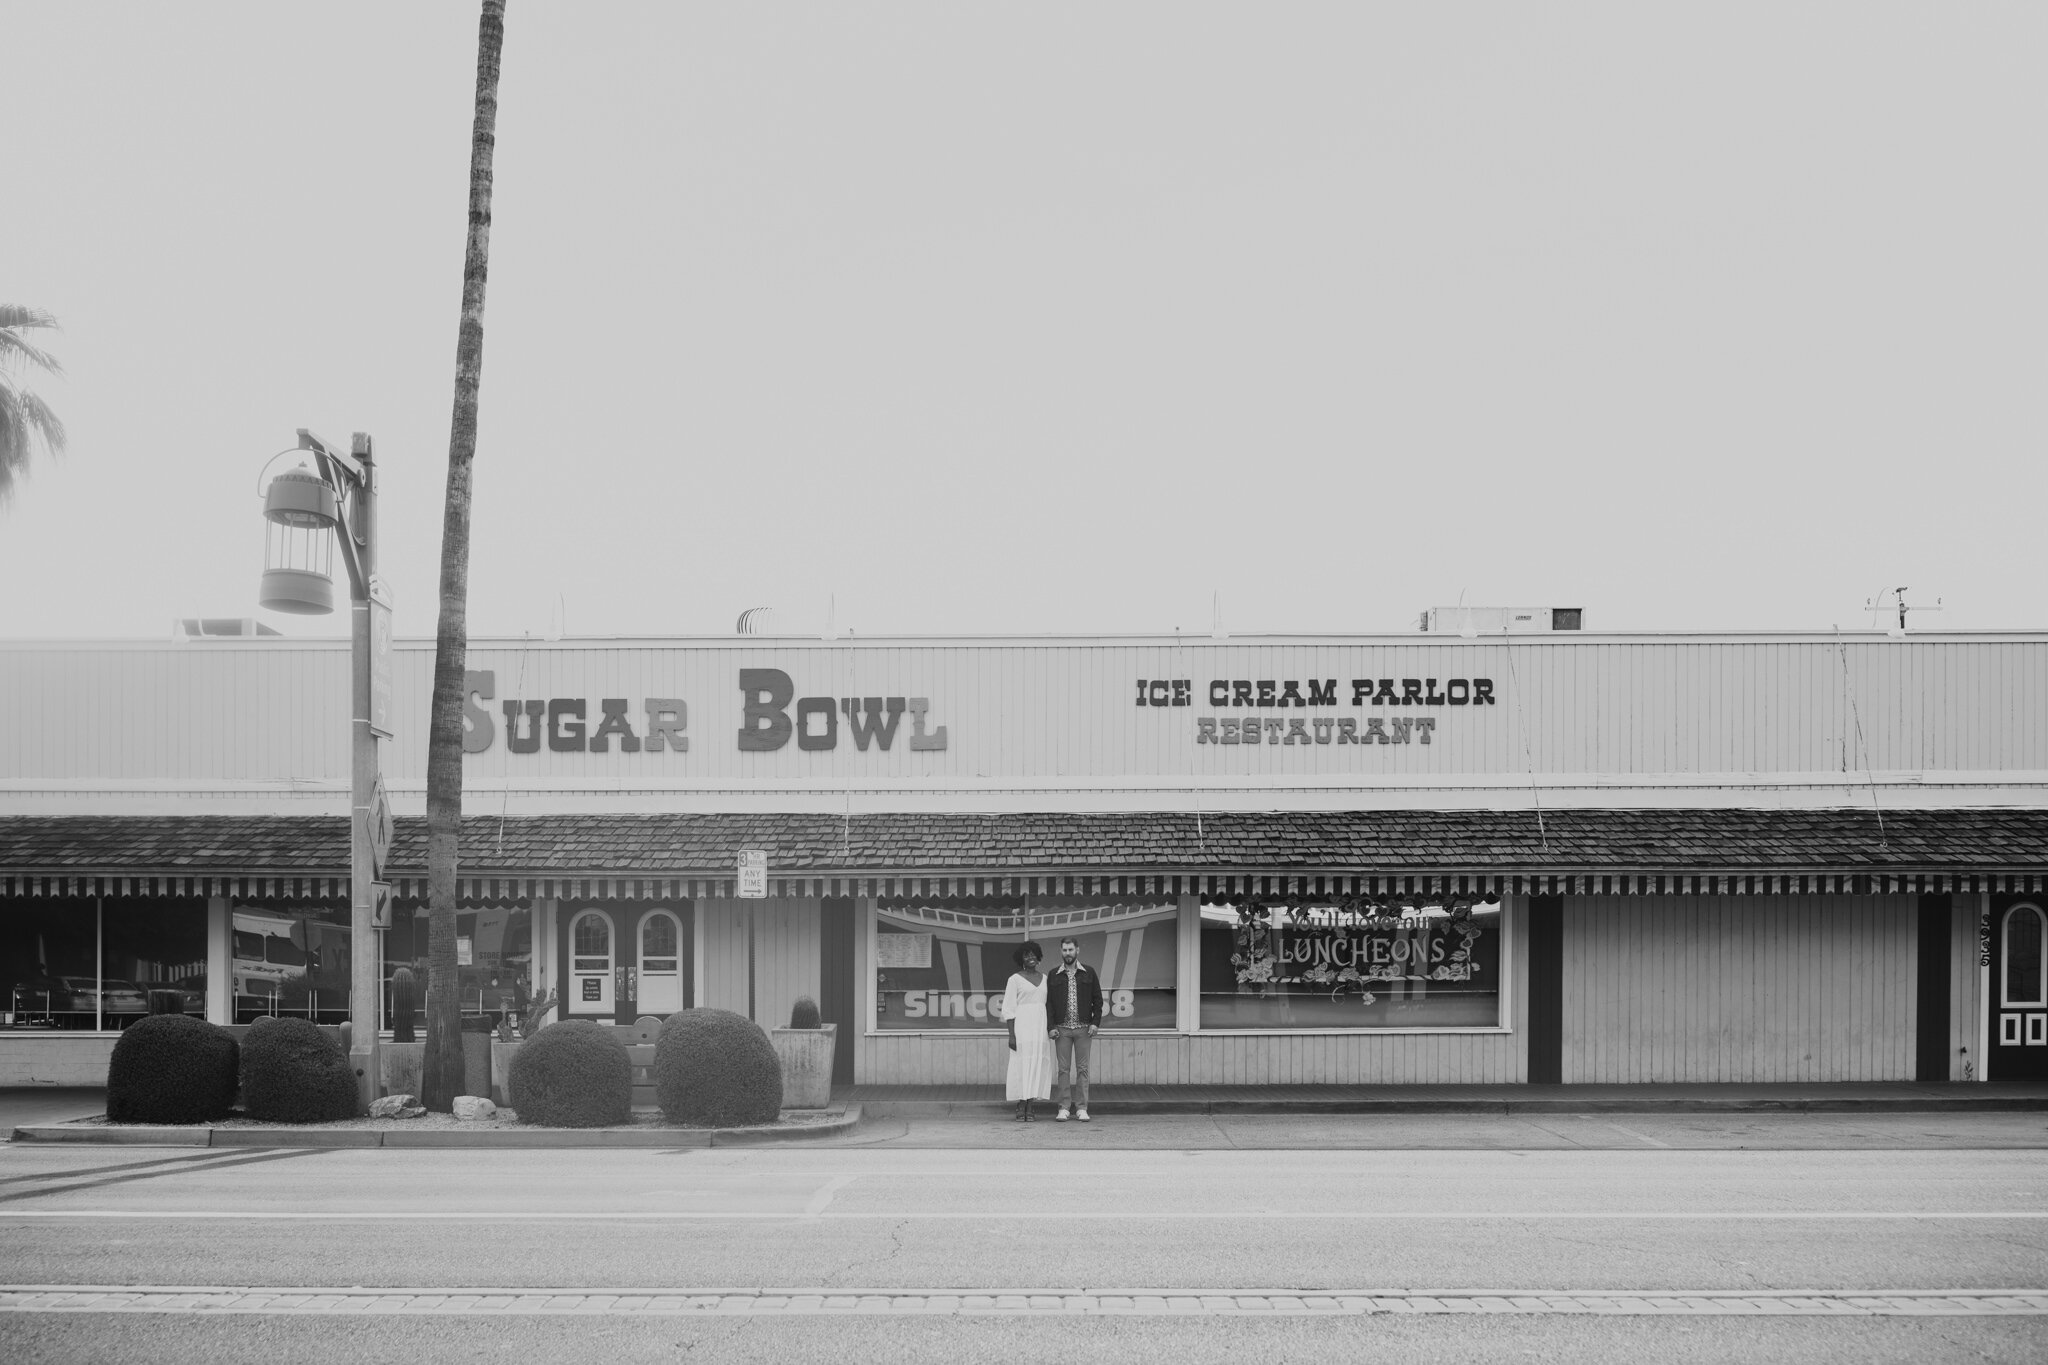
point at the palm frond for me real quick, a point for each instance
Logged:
(15, 348)
(25, 420)
(21, 315)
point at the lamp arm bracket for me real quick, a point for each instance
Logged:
(352, 556)
(342, 470)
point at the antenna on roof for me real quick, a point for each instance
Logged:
(1876, 605)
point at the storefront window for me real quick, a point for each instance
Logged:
(945, 967)
(2023, 977)
(493, 958)
(86, 963)
(494, 955)
(1360, 966)
(292, 959)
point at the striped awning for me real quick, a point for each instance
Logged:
(1211, 887)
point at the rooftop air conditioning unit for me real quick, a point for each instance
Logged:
(219, 627)
(1501, 620)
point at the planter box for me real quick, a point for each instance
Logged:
(501, 1071)
(398, 1068)
(806, 1055)
(476, 1064)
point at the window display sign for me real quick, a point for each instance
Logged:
(908, 949)
(942, 967)
(1362, 967)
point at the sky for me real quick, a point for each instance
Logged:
(1055, 318)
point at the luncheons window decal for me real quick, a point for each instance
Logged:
(1356, 964)
(943, 965)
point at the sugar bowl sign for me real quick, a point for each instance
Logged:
(771, 716)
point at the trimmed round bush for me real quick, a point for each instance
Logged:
(294, 1073)
(716, 1069)
(572, 1074)
(172, 1068)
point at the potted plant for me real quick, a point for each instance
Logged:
(526, 1019)
(398, 1061)
(806, 1049)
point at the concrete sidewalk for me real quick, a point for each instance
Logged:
(943, 1101)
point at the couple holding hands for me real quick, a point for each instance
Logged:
(1052, 1018)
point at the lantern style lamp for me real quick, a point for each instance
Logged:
(302, 513)
(328, 503)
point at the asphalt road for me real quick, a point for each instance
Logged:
(1663, 1204)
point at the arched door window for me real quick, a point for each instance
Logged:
(591, 961)
(2025, 929)
(661, 961)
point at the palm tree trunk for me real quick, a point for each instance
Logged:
(441, 1078)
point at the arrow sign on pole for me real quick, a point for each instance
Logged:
(381, 827)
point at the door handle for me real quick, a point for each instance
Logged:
(632, 985)
(619, 980)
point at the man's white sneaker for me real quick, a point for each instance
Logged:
(1061, 1117)
(1081, 1114)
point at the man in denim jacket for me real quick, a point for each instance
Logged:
(1073, 1004)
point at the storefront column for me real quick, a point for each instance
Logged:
(545, 977)
(1981, 903)
(1966, 1059)
(1187, 995)
(863, 983)
(220, 961)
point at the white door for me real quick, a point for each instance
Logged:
(661, 963)
(591, 959)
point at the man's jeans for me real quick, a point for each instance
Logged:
(1073, 1043)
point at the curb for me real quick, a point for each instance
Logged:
(400, 1138)
(932, 1109)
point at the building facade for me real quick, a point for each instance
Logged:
(1301, 860)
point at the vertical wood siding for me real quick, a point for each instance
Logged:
(724, 931)
(1214, 1059)
(1739, 988)
(785, 955)
(785, 958)
(1042, 713)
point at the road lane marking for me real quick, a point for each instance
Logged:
(500, 1215)
(1018, 1302)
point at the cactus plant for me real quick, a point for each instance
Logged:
(536, 1015)
(804, 1014)
(404, 1000)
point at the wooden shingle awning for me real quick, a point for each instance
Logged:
(1637, 852)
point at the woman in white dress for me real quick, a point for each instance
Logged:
(1030, 1075)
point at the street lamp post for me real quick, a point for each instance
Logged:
(333, 501)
